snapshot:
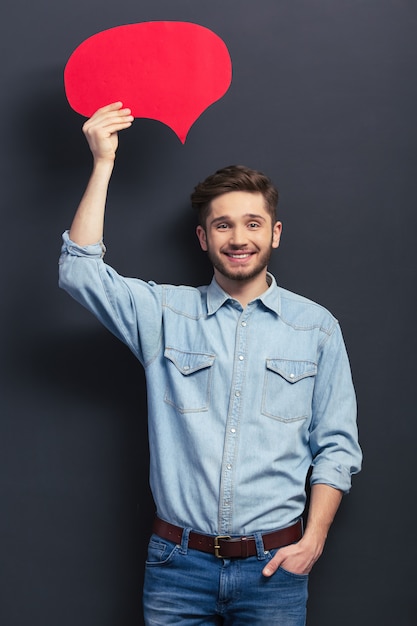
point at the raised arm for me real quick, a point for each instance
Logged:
(101, 131)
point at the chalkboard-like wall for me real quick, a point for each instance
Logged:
(323, 99)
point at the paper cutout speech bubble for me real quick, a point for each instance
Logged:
(166, 71)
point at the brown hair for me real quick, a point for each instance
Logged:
(233, 178)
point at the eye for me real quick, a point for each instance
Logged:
(253, 225)
(222, 226)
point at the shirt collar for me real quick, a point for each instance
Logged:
(270, 298)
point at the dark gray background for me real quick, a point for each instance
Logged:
(323, 99)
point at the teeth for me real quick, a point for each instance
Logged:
(239, 256)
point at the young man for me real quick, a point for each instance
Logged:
(249, 387)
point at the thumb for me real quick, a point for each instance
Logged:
(273, 565)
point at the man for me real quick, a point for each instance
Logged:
(249, 387)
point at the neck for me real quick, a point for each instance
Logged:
(244, 291)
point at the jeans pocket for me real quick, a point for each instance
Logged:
(160, 552)
(281, 570)
(287, 572)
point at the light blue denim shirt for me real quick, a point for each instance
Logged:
(241, 402)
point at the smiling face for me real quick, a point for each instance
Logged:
(239, 237)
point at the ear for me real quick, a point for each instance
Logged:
(202, 237)
(276, 234)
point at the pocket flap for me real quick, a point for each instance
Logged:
(189, 362)
(292, 371)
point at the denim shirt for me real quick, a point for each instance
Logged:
(241, 401)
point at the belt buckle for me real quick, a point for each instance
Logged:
(217, 546)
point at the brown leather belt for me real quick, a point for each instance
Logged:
(224, 546)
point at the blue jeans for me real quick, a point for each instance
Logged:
(190, 588)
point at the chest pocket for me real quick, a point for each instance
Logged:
(189, 380)
(288, 389)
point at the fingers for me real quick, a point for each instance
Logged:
(113, 106)
(113, 110)
(273, 565)
(293, 558)
(102, 127)
(110, 119)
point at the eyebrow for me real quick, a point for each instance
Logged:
(225, 218)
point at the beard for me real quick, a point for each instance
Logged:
(239, 273)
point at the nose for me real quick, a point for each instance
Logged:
(238, 237)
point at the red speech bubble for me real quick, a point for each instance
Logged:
(166, 71)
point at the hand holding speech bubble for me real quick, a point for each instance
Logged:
(166, 71)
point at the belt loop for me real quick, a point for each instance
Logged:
(184, 540)
(260, 548)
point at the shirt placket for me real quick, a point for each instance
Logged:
(233, 425)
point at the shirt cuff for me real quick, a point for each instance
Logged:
(335, 476)
(95, 250)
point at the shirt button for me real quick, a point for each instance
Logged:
(228, 466)
(237, 394)
(186, 368)
(243, 323)
(241, 357)
(292, 375)
(233, 430)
